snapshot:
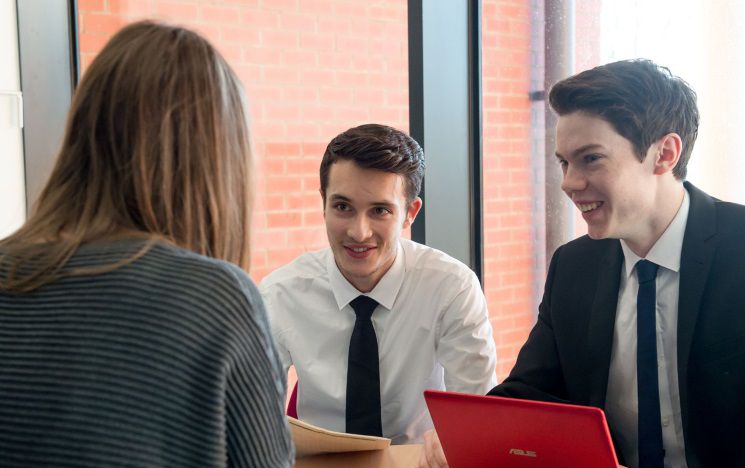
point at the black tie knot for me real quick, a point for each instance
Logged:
(646, 271)
(363, 307)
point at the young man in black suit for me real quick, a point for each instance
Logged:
(644, 317)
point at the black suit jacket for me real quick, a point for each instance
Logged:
(567, 355)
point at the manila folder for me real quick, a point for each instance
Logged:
(312, 440)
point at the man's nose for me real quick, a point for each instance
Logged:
(573, 181)
(359, 229)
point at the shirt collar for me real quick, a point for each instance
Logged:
(666, 251)
(385, 291)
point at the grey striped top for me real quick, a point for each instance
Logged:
(167, 361)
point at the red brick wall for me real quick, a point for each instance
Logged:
(507, 173)
(313, 68)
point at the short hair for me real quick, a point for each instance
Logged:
(375, 146)
(641, 100)
(156, 146)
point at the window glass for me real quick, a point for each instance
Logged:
(12, 177)
(699, 41)
(311, 68)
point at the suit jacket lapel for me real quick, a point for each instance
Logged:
(695, 262)
(602, 322)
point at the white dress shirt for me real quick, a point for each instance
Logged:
(432, 327)
(621, 405)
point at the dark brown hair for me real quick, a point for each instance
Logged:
(641, 100)
(375, 146)
(156, 146)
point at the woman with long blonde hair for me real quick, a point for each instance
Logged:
(129, 335)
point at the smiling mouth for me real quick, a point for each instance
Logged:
(585, 207)
(358, 249)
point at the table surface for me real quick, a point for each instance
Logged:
(395, 456)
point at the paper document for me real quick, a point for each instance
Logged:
(312, 440)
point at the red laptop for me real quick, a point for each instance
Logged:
(489, 431)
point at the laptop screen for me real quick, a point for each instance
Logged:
(489, 431)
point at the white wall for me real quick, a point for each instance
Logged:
(12, 177)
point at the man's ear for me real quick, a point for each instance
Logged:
(667, 153)
(411, 211)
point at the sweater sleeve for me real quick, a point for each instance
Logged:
(257, 430)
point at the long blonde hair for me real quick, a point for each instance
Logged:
(156, 146)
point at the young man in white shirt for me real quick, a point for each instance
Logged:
(430, 323)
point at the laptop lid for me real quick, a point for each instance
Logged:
(490, 431)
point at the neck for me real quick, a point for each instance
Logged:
(666, 204)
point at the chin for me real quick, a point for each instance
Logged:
(357, 272)
(598, 234)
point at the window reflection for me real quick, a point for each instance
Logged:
(316, 67)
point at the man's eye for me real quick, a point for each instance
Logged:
(341, 207)
(590, 158)
(380, 211)
(562, 162)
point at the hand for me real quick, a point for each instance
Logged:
(432, 455)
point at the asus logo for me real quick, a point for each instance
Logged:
(523, 453)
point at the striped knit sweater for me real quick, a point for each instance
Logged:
(166, 361)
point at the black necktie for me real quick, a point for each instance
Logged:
(651, 450)
(363, 373)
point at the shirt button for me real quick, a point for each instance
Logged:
(665, 422)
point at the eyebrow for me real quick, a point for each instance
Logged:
(338, 197)
(582, 149)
